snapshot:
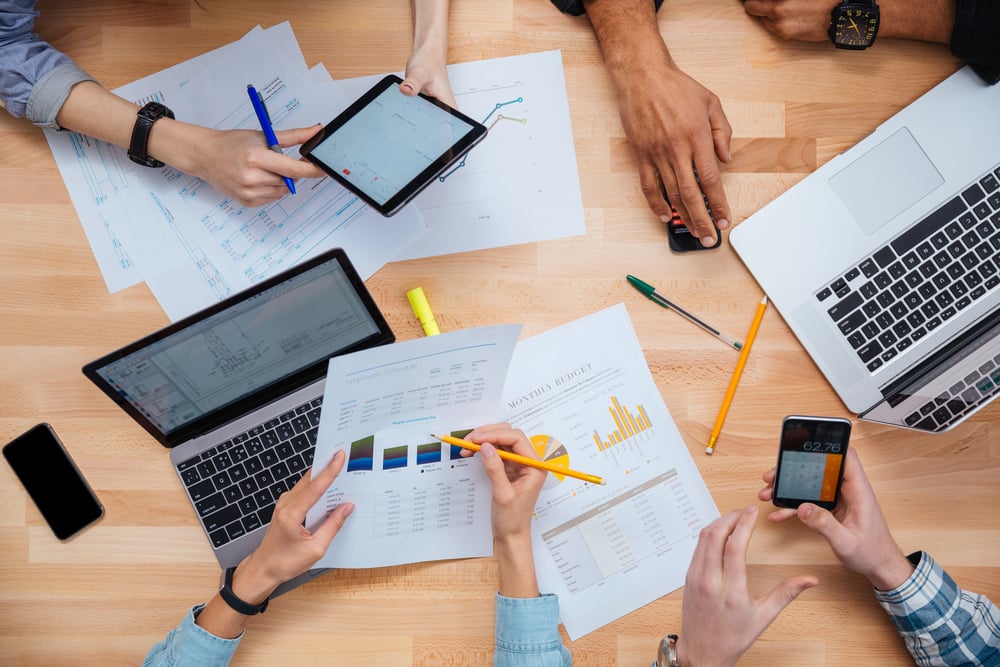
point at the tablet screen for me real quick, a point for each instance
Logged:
(388, 146)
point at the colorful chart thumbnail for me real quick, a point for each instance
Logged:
(394, 457)
(429, 453)
(362, 454)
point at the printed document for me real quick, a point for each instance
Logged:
(520, 183)
(416, 498)
(585, 397)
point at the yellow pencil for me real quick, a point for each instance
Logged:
(735, 380)
(524, 460)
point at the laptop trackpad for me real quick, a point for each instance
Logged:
(886, 180)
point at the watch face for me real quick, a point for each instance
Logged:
(154, 111)
(854, 27)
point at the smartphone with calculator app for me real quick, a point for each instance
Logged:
(811, 458)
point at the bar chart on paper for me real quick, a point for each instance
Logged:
(605, 549)
(627, 425)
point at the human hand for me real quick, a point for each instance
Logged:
(720, 619)
(676, 126)
(856, 529)
(238, 163)
(288, 549)
(515, 493)
(426, 70)
(427, 74)
(515, 486)
(803, 20)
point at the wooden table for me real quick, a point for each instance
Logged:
(108, 595)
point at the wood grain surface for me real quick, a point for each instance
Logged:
(107, 596)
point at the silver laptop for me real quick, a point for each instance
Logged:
(885, 262)
(236, 390)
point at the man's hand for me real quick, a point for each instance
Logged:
(674, 125)
(856, 529)
(719, 617)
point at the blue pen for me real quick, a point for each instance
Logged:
(265, 124)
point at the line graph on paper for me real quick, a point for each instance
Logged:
(520, 183)
(496, 115)
(505, 164)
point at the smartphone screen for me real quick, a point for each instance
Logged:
(811, 461)
(53, 481)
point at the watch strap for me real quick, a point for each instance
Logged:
(234, 601)
(138, 150)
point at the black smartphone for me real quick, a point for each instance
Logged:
(679, 236)
(811, 460)
(387, 147)
(53, 481)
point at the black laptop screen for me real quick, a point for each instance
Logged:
(253, 343)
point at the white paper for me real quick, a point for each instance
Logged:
(520, 183)
(192, 245)
(415, 498)
(100, 177)
(605, 550)
(200, 246)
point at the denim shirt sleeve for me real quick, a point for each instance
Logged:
(35, 78)
(940, 623)
(527, 633)
(190, 645)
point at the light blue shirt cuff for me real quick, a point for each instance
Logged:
(50, 92)
(527, 632)
(191, 645)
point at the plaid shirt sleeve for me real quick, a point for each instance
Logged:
(940, 623)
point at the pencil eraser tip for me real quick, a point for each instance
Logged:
(710, 450)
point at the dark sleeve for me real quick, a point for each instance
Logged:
(575, 7)
(976, 36)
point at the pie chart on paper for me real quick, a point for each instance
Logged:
(552, 451)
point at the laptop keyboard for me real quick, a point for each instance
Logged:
(922, 278)
(960, 398)
(235, 484)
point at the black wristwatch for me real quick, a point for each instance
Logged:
(854, 24)
(234, 601)
(149, 114)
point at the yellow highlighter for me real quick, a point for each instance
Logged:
(422, 309)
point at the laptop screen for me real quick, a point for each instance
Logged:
(251, 343)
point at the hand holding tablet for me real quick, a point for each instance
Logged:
(387, 147)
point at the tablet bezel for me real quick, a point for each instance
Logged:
(475, 134)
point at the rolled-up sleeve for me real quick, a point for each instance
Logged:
(527, 633)
(35, 78)
(190, 645)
